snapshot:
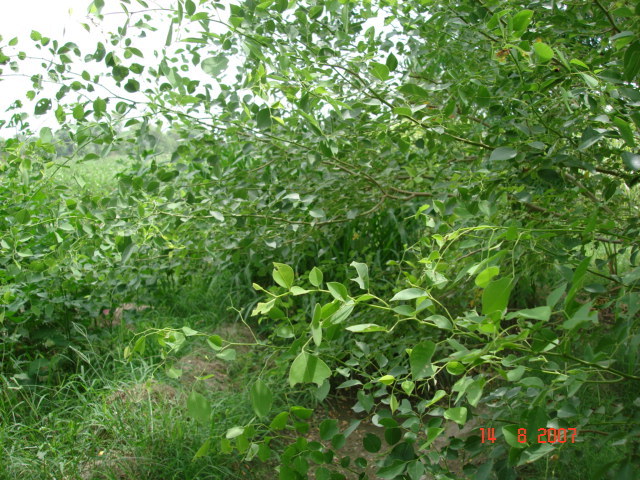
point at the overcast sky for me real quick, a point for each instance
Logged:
(61, 20)
(58, 19)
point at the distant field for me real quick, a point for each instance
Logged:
(93, 175)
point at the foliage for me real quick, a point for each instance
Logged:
(473, 164)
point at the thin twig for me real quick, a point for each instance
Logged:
(609, 17)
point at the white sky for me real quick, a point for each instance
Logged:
(61, 20)
(58, 19)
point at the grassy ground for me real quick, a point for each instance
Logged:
(114, 419)
(94, 175)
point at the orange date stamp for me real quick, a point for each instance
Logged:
(545, 435)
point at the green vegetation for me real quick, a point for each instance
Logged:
(325, 239)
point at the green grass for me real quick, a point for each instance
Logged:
(113, 419)
(95, 176)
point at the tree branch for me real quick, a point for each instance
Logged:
(609, 17)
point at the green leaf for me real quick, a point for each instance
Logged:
(495, 297)
(416, 469)
(228, 355)
(61, 115)
(98, 5)
(119, 72)
(263, 119)
(420, 360)
(521, 21)
(391, 62)
(625, 131)
(316, 329)
(23, 216)
(404, 310)
(474, 392)
(432, 434)
(589, 80)
(387, 379)
(328, 429)
(340, 315)
(530, 455)
(631, 161)
(234, 432)
(363, 275)
(322, 391)
(78, 112)
(379, 71)
(279, 422)
(188, 331)
(215, 342)
(315, 11)
(298, 290)
(261, 398)
(503, 153)
(301, 412)
(555, 295)
(579, 63)
(199, 407)
(411, 89)
(203, 450)
(510, 433)
(366, 401)
(262, 308)
(515, 374)
(315, 277)
(440, 394)
(577, 280)
(632, 61)
(440, 322)
(403, 111)
(42, 106)
(457, 414)
(127, 252)
(371, 443)
(132, 86)
(283, 275)
(455, 368)
(214, 65)
(190, 7)
(543, 52)
(366, 327)
(307, 368)
(169, 38)
(99, 107)
(484, 277)
(408, 386)
(582, 315)
(393, 471)
(338, 290)
(589, 137)
(409, 294)
(538, 313)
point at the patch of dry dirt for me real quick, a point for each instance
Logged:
(202, 366)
